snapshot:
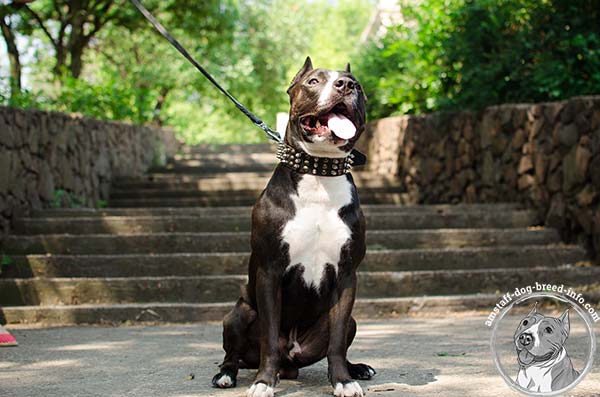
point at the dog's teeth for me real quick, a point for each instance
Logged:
(318, 125)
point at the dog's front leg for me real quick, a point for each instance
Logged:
(339, 322)
(268, 300)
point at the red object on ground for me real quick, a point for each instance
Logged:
(6, 339)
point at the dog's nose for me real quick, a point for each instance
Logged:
(525, 339)
(344, 85)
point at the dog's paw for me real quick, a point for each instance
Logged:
(361, 371)
(224, 380)
(260, 390)
(348, 389)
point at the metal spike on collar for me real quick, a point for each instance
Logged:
(304, 163)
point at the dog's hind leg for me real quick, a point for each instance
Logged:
(235, 343)
(357, 371)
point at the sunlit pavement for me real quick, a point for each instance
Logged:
(414, 357)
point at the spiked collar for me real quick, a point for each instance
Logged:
(304, 163)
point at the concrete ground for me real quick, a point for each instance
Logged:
(413, 356)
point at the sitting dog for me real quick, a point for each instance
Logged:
(544, 364)
(308, 238)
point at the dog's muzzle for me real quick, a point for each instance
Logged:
(525, 339)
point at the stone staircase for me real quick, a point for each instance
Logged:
(173, 247)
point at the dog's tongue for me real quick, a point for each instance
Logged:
(341, 126)
(525, 357)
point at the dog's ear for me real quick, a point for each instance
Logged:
(307, 67)
(348, 68)
(533, 311)
(564, 320)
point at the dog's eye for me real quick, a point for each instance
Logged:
(525, 322)
(313, 81)
(549, 330)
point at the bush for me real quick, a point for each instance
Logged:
(474, 53)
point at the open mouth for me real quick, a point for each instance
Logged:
(335, 121)
(525, 356)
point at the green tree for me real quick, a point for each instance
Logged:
(456, 54)
(7, 22)
(527, 50)
(126, 71)
(70, 26)
(336, 29)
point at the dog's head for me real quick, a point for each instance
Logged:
(327, 111)
(538, 338)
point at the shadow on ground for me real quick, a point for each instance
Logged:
(424, 357)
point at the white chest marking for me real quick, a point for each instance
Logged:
(316, 234)
(538, 377)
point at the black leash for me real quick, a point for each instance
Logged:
(271, 134)
(357, 158)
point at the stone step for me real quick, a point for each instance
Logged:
(233, 183)
(211, 289)
(234, 148)
(212, 168)
(360, 178)
(191, 178)
(204, 264)
(216, 195)
(245, 162)
(195, 312)
(228, 223)
(440, 209)
(117, 194)
(425, 306)
(215, 160)
(240, 241)
(357, 175)
(199, 159)
(225, 199)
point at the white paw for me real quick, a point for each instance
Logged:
(372, 372)
(260, 390)
(225, 381)
(350, 389)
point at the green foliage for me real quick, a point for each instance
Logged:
(24, 99)
(473, 53)
(64, 199)
(253, 48)
(271, 40)
(112, 100)
(447, 54)
(403, 70)
(5, 261)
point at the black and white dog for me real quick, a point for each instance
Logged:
(544, 364)
(308, 238)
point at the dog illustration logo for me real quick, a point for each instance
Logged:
(544, 364)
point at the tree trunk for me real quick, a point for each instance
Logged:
(72, 38)
(76, 61)
(162, 97)
(61, 60)
(13, 56)
(76, 43)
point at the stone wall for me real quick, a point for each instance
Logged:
(51, 159)
(546, 156)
